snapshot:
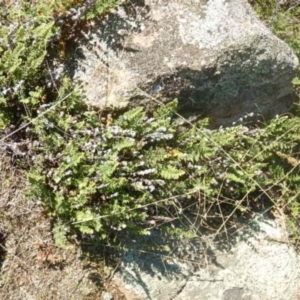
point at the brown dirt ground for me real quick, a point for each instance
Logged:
(31, 266)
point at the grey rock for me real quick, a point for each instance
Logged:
(233, 294)
(107, 296)
(215, 56)
(259, 264)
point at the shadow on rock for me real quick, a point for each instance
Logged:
(2, 249)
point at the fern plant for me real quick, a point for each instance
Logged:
(23, 46)
(106, 175)
(33, 38)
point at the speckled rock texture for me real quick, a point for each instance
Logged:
(215, 56)
(256, 263)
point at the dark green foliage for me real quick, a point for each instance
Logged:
(23, 45)
(100, 7)
(30, 33)
(107, 176)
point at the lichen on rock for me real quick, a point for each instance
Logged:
(216, 57)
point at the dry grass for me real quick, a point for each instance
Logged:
(32, 267)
